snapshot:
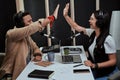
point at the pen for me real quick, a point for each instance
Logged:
(77, 65)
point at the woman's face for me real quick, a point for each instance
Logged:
(92, 21)
(27, 20)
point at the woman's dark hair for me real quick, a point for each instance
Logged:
(103, 22)
(18, 19)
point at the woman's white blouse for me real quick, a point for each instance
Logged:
(109, 44)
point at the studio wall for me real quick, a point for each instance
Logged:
(113, 5)
(61, 30)
(110, 5)
(7, 9)
(37, 10)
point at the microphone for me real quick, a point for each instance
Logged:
(75, 35)
(49, 36)
(46, 35)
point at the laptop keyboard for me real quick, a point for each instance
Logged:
(71, 59)
(67, 58)
(76, 58)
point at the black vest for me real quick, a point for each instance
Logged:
(99, 55)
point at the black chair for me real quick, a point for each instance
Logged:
(118, 59)
(2, 55)
(115, 76)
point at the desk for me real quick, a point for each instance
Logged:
(62, 71)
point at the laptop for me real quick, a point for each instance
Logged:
(71, 54)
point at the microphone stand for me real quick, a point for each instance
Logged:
(74, 35)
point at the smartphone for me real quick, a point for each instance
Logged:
(81, 70)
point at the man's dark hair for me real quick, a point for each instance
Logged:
(18, 19)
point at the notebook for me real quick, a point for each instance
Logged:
(45, 74)
(71, 54)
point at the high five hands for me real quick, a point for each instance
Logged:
(54, 16)
(55, 13)
(65, 10)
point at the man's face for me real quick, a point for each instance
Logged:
(27, 20)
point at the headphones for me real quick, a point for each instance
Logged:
(100, 18)
(18, 19)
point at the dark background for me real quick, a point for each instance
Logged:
(7, 9)
(60, 29)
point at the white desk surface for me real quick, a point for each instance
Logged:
(62, 71)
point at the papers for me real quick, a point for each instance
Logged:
(43, 63)
(63, 72)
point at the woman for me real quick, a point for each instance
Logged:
(101, 51)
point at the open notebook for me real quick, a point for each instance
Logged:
(71, 54)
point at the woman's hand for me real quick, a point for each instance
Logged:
(65, 11)
(89, 63)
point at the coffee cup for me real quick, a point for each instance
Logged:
(50, 56)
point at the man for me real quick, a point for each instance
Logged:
(19, 43)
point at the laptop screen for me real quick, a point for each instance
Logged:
(71, 54)
(69, 50)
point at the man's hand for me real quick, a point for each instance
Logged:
(55, 13)
(50, 19)
(37, 58)
(54, 16)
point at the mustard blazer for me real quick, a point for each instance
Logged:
(18, 45)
